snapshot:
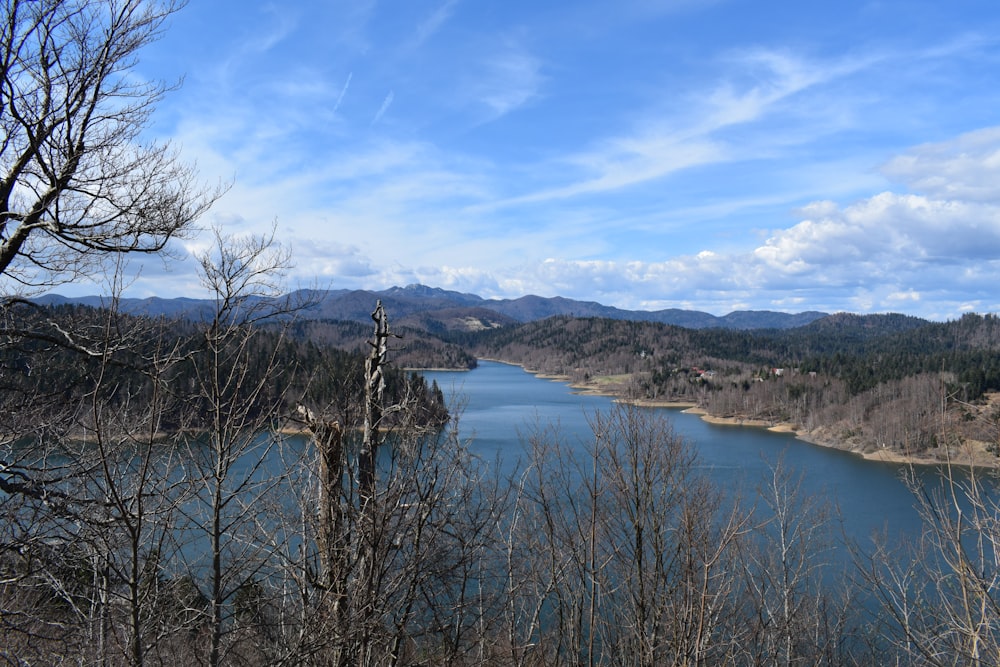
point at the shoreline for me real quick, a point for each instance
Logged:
(969, 457)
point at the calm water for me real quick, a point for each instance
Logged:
(499, 404)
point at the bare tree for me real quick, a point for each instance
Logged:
(797, 616)
(129, 468)
(96, 481)
(78, 185)
(79, 182)
(238, 395)
(939, 600)
(622, 556)
(400, 537)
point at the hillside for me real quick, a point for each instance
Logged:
(866, 383)
(310, 363)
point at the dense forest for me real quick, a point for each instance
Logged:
(862, 382)
(41, 361)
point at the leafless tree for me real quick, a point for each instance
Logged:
(798, 616)
(395, 568)
(939, 599)
(624, 556)
(79, 181)
(234, 407)
(95, 481)
(79, 185)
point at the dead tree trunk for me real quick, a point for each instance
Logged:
(368, 541)
(332, 535)
(374, 390)
(347, 535)
(330, 440)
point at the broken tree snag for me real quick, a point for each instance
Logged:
(374, 390)
(367, 542)
(328, 437)
(330, 440)
(332, 536)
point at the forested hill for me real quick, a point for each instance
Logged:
(876, 380)
(113, 358)
(842, 344)
(868, 381)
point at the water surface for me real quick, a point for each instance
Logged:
(500, 404)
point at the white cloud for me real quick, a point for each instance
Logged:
(382, 109)
(331, 261)
(505, 80)
(966, 168)
(891, 230)
(666, 137)
(429, 26)
(909, 295)
(619, 164)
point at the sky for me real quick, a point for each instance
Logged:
(714, 155)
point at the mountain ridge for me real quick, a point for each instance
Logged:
(440, 308)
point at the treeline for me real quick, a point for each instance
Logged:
(861, 351)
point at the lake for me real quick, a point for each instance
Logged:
(499, 403)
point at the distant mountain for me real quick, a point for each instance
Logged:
(153, 306)
(435, 309)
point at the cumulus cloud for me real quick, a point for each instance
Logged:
(893, 230)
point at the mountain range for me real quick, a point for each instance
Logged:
(435, 309)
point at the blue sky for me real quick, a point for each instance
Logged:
(713, 155)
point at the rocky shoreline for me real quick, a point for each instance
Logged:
(974, 454)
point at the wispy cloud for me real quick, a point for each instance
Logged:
(510, 81)
(343, 91)
(619, 164)
(666, 142)
(386, 103)
(504, 81)
(429, 26)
